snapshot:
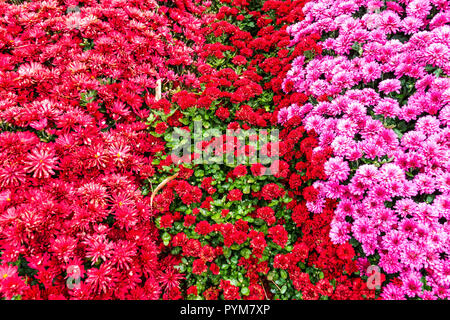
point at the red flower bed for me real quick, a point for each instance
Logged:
(248, 235)
(76, 86)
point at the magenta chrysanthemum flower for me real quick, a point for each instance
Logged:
(393, 292)
(412, 286)
(12, 175)
(337, 169)
(437, 54)
(283, 116)
(390, 85)
(41, 162)
(101, 279)
(170, 278)
(390, 262)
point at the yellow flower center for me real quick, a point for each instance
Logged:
(5, 276)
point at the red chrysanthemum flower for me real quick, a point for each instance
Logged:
(235, 195)
(41, 162)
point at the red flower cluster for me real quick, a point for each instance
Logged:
(76, 85)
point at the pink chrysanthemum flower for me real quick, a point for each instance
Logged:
(418, 8)
(170, 278)
(442, 203)
(283, 116)
(7, 270)
(363, 230)
(390, 262)
(316, 206)
(411, 25)
(392, 292)
(41, 162)
(437, 54)
(393, 241)
(412, 286)
(340, 232)
(428, 125)
(12, 175)
(412, 256)
(387, 107)
(337, 169)
(389, 22)
(390, 85)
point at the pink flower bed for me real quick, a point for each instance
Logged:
(379, 96)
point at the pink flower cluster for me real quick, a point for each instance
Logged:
(380, 97)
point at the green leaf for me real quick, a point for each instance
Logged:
(246, 253)
(199, 173)
(283, 289)
(217, 217)
(184, 121)
(245, 291)
(166, 238)
(357, 47)
(226, 252)
(399, 133)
